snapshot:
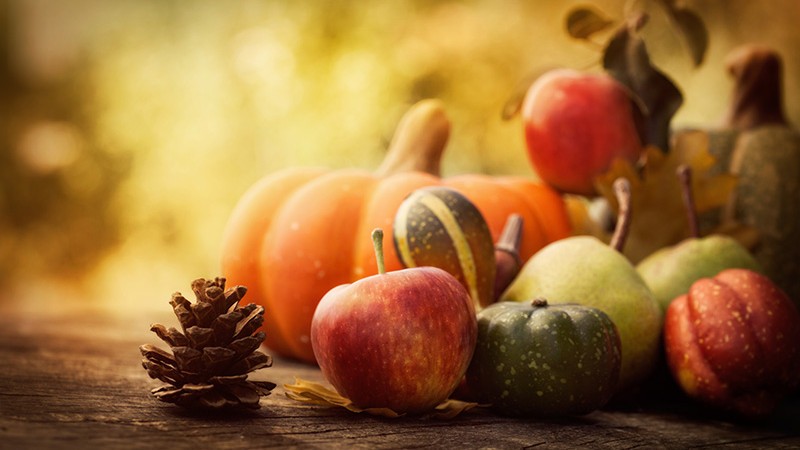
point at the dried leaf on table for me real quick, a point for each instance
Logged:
(658, 212)
(318, 394)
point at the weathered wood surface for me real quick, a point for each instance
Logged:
(74, 380)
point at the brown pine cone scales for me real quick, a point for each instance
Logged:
(214, 353)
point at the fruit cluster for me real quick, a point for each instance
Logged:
(491, 291)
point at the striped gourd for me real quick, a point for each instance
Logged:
(438, 226)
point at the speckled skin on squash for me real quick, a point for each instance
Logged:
(534, 359)
(767, 162)
(438, 226)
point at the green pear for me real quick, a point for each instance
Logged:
(584, 270)
(671, 271)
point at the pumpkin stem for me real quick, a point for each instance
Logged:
(377, 244)
(511, 235)
(757, 94)
(684, 173)
(622, 190)
(419, 140)
(506, 254)
(539, 302)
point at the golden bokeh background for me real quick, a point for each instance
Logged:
(129, 129)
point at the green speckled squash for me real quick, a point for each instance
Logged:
(438, 226)
(767, 197)
(535, 359)
(766, 159)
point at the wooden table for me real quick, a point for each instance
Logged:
(72, 378)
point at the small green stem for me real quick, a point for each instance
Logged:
(377, 243)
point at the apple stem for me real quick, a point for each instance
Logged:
(622, 190)
(684, 173)
(377, 243)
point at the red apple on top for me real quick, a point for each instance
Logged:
(576, 124)
(734, 342)
(401, 340)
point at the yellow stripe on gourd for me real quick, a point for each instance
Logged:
(465, 257)
(401, 232)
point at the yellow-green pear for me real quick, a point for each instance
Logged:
(585, 270)
(671, 271)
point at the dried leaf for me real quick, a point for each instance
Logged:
(626, 59)
(691, 29)
(315, 393)
(318, 394)
(658, 212)
(513, 104)
(584, 21)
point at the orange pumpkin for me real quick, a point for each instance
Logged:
(299, 232)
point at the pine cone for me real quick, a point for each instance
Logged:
(210, 360)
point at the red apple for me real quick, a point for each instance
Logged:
(734, 342)
(401, 340)
(576, 124)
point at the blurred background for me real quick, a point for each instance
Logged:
(129, 129)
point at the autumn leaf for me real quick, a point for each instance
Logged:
(584, 21)
(318, 394)
(627, 60)
(690, 27)
(513, 104)
(658, 212)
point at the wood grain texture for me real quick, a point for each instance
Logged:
(74, 380)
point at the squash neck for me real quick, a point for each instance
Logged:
(419, 141)
(758, 95)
